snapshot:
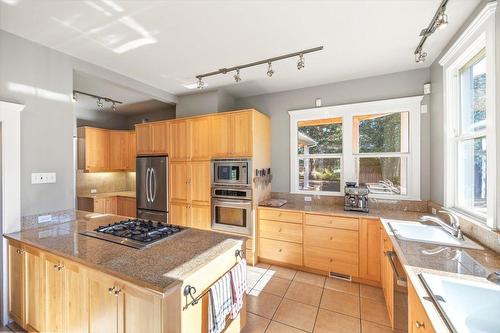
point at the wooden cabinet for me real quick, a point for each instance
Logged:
(152, 138)
(200, 182)
(180, 177)
(279, 251)
(331, 260)
(332, 221)
(16, 285)
(33, 289)
(105, 205)
(418, 321)
(54, 294)
(369, 249)
(126, 207)
(103, 303)
(138, 310)
(232, 134)
(200, 139)
(200, 217)
(180, 137)
(132, 151)
(387, 275)
(178, 213)
(288, 232)
(93, 149)
(119, 148)
(280, 215)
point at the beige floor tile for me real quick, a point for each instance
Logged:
(275, 327)
(344, 286)
(332, 322)
(369, 327)
(252, 278)
(281, 272)
(255, 324)
(298, 315)
(310, 278)
(273, 285)
(374, 311)
(372, 293)
(304, 293)
(263, 304)
(340, 302)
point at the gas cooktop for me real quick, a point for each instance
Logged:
(135, 233)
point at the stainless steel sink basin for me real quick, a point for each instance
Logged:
(466, 306)
(418, 232)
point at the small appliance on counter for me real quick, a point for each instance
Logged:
(356, 198)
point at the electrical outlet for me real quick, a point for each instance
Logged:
(44, 218)
(434, 211)
(308, 198)
(93, 191)
(43, 178)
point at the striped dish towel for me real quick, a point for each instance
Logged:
(219, 304)
(238, 286)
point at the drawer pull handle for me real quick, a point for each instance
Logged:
(419, 324)
(279, 214)
(331, 237)
(331, 260)
(279, 230)
(280, 250)
(330, 221)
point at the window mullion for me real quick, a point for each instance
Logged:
(348, 162)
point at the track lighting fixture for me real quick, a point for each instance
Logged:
(301, 64)
(270, 70)
(100, 104)
(113, 106)
(75, 97)
(100, 99)
(442, 20)
(420, 57)
(439, 21)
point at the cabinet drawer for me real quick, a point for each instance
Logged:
(290, 253)
(284, 231)
(332, 221)
(280, 215)
(336, 239)
(331, 260)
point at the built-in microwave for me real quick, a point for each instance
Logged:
(231, 172)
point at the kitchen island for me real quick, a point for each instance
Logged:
(60, 280)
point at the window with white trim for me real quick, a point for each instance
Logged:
(368, 143)
(470, 133)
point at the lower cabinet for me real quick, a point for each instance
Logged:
(105, 205)
(190, 215)
(33, 271)
(16, 285)
(387, 275)
(418, 321)
(126, 207)
(369, 249)
(285, 252)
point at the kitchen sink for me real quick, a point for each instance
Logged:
(418, 232)
(466, 306)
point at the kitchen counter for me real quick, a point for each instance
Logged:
(417, 257)
(163, 265)
(125, 194)
(338, 210)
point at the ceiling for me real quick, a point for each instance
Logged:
(166, 43)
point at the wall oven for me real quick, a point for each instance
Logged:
(234, 172)
(232, 210)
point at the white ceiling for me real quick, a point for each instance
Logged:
(166, 43)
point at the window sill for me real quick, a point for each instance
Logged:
(476, 221)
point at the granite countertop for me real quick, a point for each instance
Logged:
(125, 194)
(161, 266)
(417, 257)
(338, 210)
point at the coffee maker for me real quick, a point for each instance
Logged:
(356, 198)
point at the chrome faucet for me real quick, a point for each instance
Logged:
(494, 277)
(453, 228)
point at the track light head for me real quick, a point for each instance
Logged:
(442, 20)
(420, 57)
(75, 97)
(301, 63)
(201, 84)
(237, 76)
(100, 104)
(270, 70)
(113, 106)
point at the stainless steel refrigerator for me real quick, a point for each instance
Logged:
(152, 188)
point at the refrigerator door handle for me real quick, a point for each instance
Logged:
(150, 185)
(147, 185)
(153, 195)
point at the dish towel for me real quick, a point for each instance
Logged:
(238, 286)
(220, 302)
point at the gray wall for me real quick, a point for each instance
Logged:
(437, 110)
(168, 113)
(277, 105)
(197, 103)
(95, 118)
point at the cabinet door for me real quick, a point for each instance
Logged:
(180, 136)
(118, 150)
(220, 128)
(132, 151)
(102, 304)
(33, 287)
(75, 298)
(100, 206)
(387, 276)
(53, 294)
(199, 217)
(200, 139)
(111, 205)
(179, 181)
(200, 183)
(369, 249)
(241, 134)
(143, 138)
(159, 137)
(126, 207)
(418, 321)
(138, 311)
(178, 214)
(96, 149)
(16, 286)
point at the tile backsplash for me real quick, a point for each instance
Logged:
(104, 182)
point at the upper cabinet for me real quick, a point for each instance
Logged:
(219, 133)
(152, 138)
(180, 138)
(232, 134)
(200, 139)
(101, 150)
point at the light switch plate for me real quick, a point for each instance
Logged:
(434, 211)
(43, 178)
(308, 198)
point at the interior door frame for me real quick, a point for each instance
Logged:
(10, 118)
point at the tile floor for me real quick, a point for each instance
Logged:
(283, 300)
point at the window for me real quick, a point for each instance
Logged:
(368, 143)
(470, 133)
